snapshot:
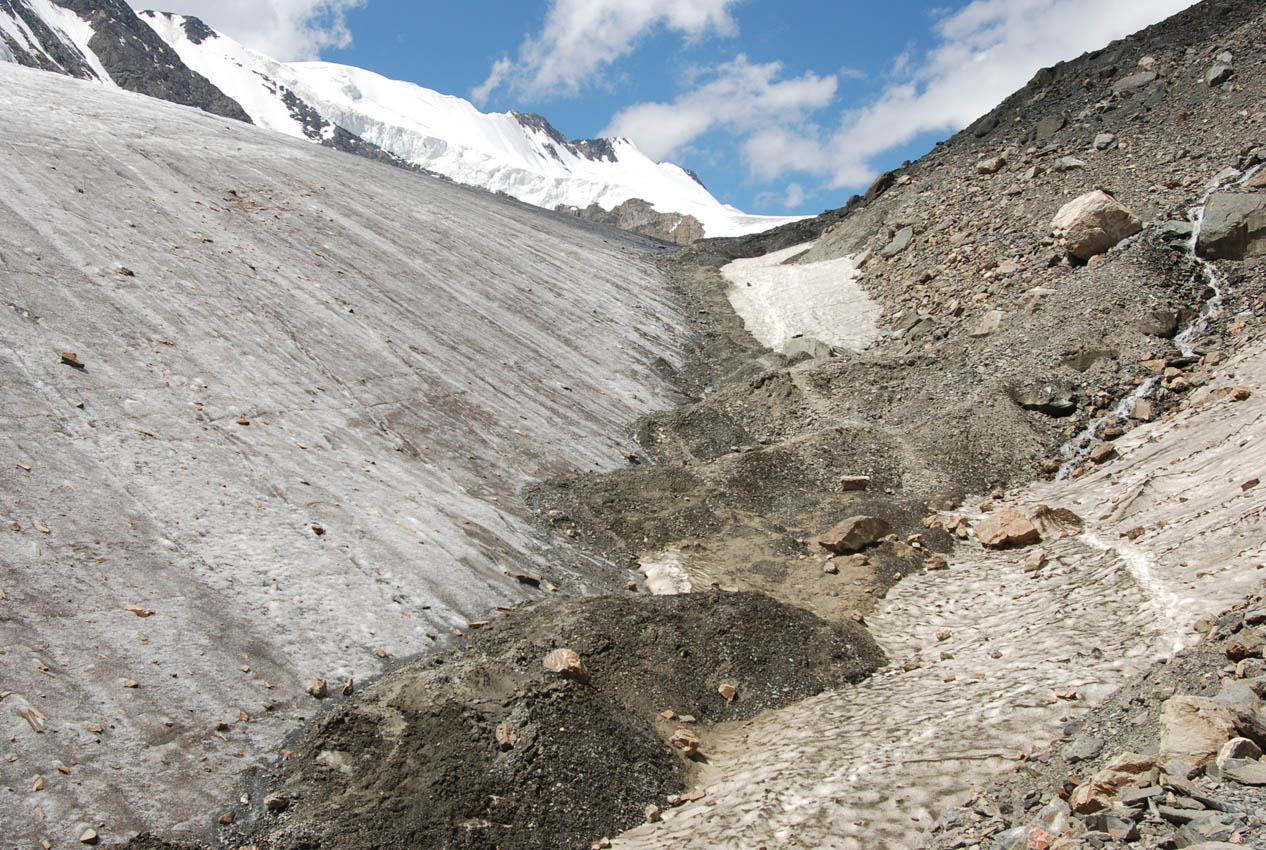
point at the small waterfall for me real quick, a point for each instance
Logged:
(1079, 447)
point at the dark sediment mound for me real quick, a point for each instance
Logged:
(486, 748)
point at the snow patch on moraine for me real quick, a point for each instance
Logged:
(779, 301)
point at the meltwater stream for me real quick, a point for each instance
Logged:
(1079, 447)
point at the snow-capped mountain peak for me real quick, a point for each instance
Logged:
(518, 153)
(181, 59)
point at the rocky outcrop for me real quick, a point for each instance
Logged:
(639, 216)
(1093, 223)
(139, 61)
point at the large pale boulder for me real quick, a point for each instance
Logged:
(1093, 223)
(1193, 729)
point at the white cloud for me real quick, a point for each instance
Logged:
(580, 37)
(984, 51)
(739, 96)
(283, 29)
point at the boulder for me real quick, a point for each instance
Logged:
(989, 323)
(1219, 74)
(1068, 163)
(1093, 223)
(806, 346)
(1103, 141)
(1234, 226)
(1193, 729)
(1054, 398)
(1162, 322)
(1048, 127)
(992, 165)
(898, 244)
(853, 534)
(1098, 793)
(1125, 85)
(854, 482)
(1006, 528)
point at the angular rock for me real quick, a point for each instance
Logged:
(1098, 793)
(1234, 226)
(854, 482)
(1048, 127)
(566, 663)
(1133, 81)
(1249, 644)
(853, 534)
(898, 244)
(318, 688)
(1162, 322)
(1103, 141)
(1007, 528)
(686, 741)
(1218, 74)
(1093, 223)
(1083, 749)
(1068, 163)
(989, 323)
(1194, 728)
(1054, 398)
(991, 165)
(1238, 749)
(505, 737)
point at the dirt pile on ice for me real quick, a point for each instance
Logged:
(484, 748)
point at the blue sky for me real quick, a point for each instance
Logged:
(780, 106)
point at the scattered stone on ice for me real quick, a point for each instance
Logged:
(318, 688)
(1006, 528)
(943, 634)
(653, 814)
(853, 534)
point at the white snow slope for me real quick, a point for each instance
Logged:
(449, 136)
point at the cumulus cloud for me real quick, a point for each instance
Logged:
(982, 52)
(283, 29)
(985, 51)
(739, 96)
(580, 37)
